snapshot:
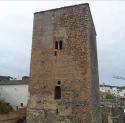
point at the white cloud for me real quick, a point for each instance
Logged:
(16, 35)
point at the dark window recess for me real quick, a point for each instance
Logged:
(60, 45)
(59, 82)
(57, 111)
(57, 92)
(55, 53)
(21, 104)
(56, 45)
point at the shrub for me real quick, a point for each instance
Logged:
(110, 96)
(5, 107)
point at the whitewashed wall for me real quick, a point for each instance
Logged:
(105, 89)
(112, 90)
(122, 93)
(14, 94)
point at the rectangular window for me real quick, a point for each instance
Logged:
(21, 104)
(57, 92)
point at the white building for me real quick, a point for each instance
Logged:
(111, 89)
(122, 93)
(15, 92)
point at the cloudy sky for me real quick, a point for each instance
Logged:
(16, 22)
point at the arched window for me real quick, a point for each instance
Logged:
(56, 44)
(59, 83)
(57, 92)
(60, 44)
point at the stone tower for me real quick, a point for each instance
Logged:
(64, 72)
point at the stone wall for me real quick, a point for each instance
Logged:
(13, 117)
(113, 115)
(75, 66)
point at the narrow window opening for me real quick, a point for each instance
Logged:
(21, 104)
(60, 44)
(57, 92)
(56, 45)
(57, 111)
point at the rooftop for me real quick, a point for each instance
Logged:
(71, 6)
(5, 77)
(84, 4)
(108, 86)
(14, 82)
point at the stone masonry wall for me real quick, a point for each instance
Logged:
(13, 117)
(112, 115)
(72, 65)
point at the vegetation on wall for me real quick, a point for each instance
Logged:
(5, 107)
(110, 96)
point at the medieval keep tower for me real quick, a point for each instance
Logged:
(64, 86)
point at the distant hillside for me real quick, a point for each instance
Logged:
(121, 88)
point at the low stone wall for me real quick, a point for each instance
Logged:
(13, 117)
(112, 115)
